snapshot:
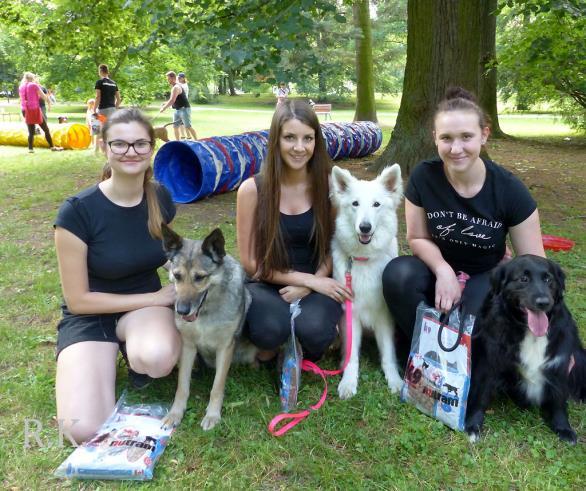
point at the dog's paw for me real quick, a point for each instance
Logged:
(473, 436)
(567, 435)
(347, 388)
(395, 383)
(172, 420)
(209, 421)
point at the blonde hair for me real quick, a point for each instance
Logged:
(134, 115)
(92, 102)
(27, 77)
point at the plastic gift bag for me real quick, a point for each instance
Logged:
(291, 372)
(127, 445)
(437, 377)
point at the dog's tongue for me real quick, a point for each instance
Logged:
(190, 318)
(538, 322)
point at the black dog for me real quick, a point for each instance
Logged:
(526, 343)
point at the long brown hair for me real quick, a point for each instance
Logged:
(269, 247)
(134, 115)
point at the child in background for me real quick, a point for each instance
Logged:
(94, 124)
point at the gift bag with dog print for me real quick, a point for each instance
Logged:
(437, 377)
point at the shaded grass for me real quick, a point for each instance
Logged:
(372, 441)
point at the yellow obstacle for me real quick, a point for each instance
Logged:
(72, 136)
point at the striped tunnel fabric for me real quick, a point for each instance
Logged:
(193, 170)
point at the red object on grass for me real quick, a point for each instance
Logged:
(553, 243)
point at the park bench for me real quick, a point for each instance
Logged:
(325, 109)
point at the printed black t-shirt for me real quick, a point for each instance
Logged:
(108, 89)
(470, 232)
(122, 256)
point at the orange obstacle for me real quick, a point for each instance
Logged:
(73, 136)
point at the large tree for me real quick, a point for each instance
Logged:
(487, 93)
(443, 50)
(365, 105)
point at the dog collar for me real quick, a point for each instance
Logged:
(359, 258)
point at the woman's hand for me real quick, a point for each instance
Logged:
(447, 289)
(291, 293)
(331, 288)
(164, 297)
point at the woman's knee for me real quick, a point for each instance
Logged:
(403, 273)
(154, 359)
(268, 333)
(317, 330)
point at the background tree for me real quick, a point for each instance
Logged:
(487, 93)
(365, 105)
(443, 50)
(542, 46)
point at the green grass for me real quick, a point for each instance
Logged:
(372, 441)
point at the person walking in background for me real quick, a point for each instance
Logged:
(281, 92)
(44, 103)
(30, 95)
(182, 80)
(94, 124)
(107, 93)
(178, 101)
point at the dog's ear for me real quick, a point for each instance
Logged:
(214, 246)
(341, 179)
(560, 278)
(390, 178)
(172, 242)
(498, 279)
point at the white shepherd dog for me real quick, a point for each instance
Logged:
(366, 232)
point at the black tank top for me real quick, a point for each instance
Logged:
(181, 100)
(297, 237)
(299, 243)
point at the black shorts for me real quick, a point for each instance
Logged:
(75, 328)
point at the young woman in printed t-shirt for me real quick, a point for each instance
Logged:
(459, 209)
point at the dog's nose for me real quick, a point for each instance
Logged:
(365, 227)
(183, 308)
(542, 303)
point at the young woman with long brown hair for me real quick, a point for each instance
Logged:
(108, 241)
(284, 226)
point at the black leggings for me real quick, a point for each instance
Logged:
(407, 281)
(268, 321)
(31, 133)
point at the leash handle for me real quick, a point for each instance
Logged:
(290, 420)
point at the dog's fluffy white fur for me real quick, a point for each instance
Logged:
(366, 227)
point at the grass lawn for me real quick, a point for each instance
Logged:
(372, 441)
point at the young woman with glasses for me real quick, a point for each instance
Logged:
(108, 242)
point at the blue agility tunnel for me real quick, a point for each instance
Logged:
(192, 170)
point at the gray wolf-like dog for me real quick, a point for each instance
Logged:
(210, 310)
(366, 231)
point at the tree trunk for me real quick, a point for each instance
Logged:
(443, 50)
(231, 82)
(488, 67)
(222, 85)
(365, 105)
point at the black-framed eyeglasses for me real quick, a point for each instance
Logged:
(120, 147)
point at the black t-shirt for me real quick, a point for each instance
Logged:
(122, 256)
(108, 89)
(470, 232)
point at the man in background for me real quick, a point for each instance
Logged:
(178, 101)
(107, 94)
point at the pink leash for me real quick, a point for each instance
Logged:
(307, 366)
